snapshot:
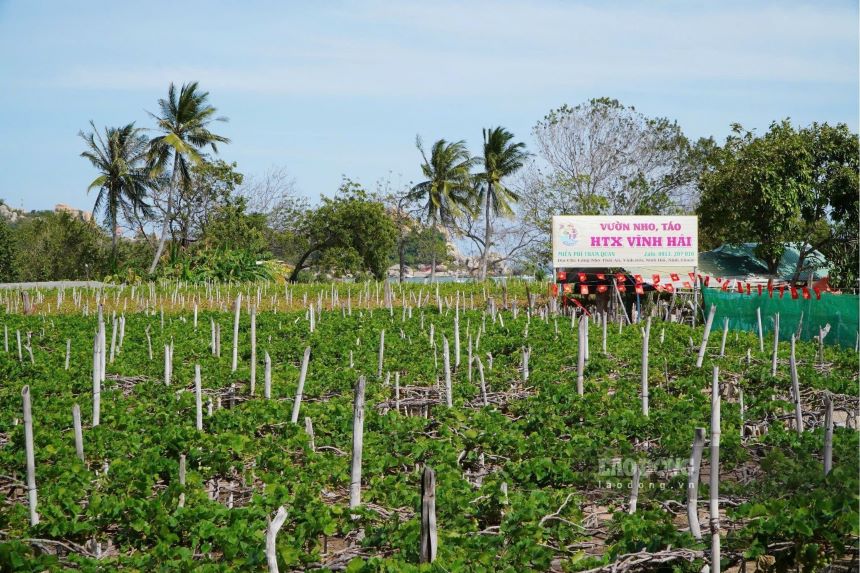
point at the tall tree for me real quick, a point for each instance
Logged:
(123, 182)
(350, 233)
(789, 186)
(614, 159)
(501, 158)
(184, 125)
(447, 188)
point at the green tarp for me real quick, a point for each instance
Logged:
(740, 261)
(838, 310)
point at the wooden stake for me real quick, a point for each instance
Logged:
(580, 361)
(272, 529)
(182, 480)
(760, 330)
(603, 317)
(715, 472)
(481, 378)
(795, 390)
(775, 344)
(725, 334)
(267, 377)
(693, 468)
(357, 445)
(309, 430)
(645, 341)
(97, 381)
(634, 486)
(68, 351)
(381, 353)
(429, 536)
(446, 356)
(301, 387)
(30, 455)
(79, 435)
(198, 397)
(828, 434)
(253, 349)
(705, 336)
(236, 311)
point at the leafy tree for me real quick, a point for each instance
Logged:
(447, 189)
(184, 126)
(612, 159)
(58, 246)
(123, 182)
(787, 187)
(7, 252)
(501, 158)
(425, 244)
(231, 227)
(213, 185)
(353, 225)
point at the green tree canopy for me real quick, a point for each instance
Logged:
(231, 227)
(8, 272)
(447, 189)
(787, 187)
(351, 225)
(58, 246)
(184, 122)
(124, 181)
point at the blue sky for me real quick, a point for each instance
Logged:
(341, 88)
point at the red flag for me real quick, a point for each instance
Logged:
(562, 276)
(806, 294)
(725, 286)
(602, 288)
(770, 289)
(658, 288)
(620, 277)
(692, 277)
(582, 277)
(555, 290)
(622, 288)
(637, 279)
(639, 289)
(675, 276)
(670, 287)
(568, 288)
(740, 287)
(687, 284)
(707, 280)
(655, 278)
(817, 293)
(759, 289)
(583, 289)
(601, 277)
(720, 280)
(781, 290)
(793, 292)
(749, 288)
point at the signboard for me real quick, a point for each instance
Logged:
(607, 241)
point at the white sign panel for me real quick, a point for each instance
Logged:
(607, 241)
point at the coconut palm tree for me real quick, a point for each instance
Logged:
(124, 181)
(501, 158)
(447, 189)
(184, 126)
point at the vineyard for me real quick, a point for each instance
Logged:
(369, 427)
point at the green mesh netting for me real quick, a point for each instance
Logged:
(838, 310)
